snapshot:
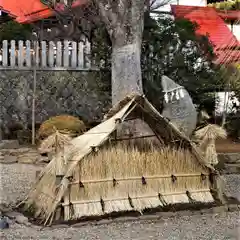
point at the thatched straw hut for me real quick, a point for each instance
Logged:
(102, 172)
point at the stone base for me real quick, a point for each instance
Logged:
(8, 159)
(9, 144)
(20, 155)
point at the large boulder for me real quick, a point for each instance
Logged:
(178, 106)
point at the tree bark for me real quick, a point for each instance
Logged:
(126, 70)
(124, 21)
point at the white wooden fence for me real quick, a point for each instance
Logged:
(66, 55)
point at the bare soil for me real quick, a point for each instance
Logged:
(227, 146)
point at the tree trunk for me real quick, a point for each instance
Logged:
(127, 80)
(126, 70)
(124, 21)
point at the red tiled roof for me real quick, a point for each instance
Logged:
(228, 56)
(7, 12)
(27, 11)
(212, 25)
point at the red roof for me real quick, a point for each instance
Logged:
(27, 11)
(212, 25)
(228, 56)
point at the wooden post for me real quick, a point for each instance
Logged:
(20, 54)
(59, 54)
(13, 54)
(74, 55)
(5, 53)
(80, 55)
(28, 53)
(43, 54)
(51, 54)
(88, 54)
(66, 54)
(34, 93)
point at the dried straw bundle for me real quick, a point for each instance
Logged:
(207, 141)
(116, 174)
(55, 142)
(211, 131)
(127, 166)
(63, 123)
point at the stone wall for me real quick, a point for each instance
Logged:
(82, 94)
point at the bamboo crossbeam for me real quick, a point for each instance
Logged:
(138, 197)
(131, 138)
(139, 178)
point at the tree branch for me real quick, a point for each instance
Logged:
(107, 14)
(137, 17)
(155, 4)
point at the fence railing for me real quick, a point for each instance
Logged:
(44, 55)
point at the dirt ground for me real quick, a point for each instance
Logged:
(227, 146)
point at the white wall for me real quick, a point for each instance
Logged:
(220, 104)
(236, 30)
(167, 7)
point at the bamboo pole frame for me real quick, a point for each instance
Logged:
(138, 197)
(139, 178)
(132, 138)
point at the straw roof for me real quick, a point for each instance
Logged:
(55, 188)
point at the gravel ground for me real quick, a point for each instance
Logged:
(197, 227)
(233, 185)
(16, 180)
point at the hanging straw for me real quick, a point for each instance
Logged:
(55, 142)
(207, 141)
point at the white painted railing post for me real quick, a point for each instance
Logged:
(88, 54)
(20, 54)
(66, 54)
(5, 53)
(36, 54)
(43, 54)
(51, 54)
(59, 54)
(13, 54)
(74, 55)
(28, 54)
(80, 55)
